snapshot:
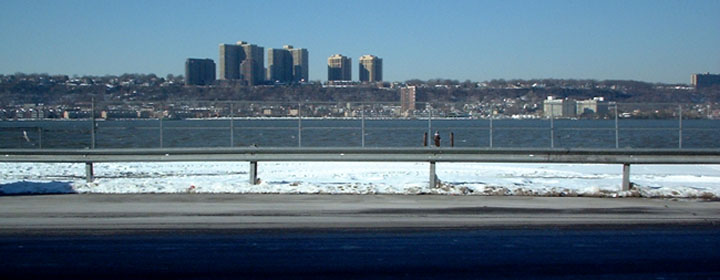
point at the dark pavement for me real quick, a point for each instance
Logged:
(648, 253)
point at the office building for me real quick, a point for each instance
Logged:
(199, 71)
(706, 80)
(370, 68)
(339, 68)
(407, 98)
(242, 61)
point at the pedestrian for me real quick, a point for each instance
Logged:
(436, 138)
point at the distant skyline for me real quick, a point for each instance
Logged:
(653, 41)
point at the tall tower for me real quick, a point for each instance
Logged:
(232, 58)
(300, 69)
(370, 68)
(287, 65)
(229, 62)
(280, 66)
(339, 68)
(253, 55)
(407, 98)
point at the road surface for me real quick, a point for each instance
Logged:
(193, 236)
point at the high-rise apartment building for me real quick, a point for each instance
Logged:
(280, 66)
(339, 68)
(252, 55)
(229, 62)
(370, 68)
(233, 57)
(287, 65)
(250, 75)
(300, 69)
(407, 98)
(199, 71)
(704, 80)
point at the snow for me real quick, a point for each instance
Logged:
(601, 180)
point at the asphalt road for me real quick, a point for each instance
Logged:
(356, 237)
(218, 211)
(675, 253)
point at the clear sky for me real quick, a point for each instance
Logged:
(654, 41)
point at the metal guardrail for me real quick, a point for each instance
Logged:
(431, 155)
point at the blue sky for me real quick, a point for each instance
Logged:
(654, 41)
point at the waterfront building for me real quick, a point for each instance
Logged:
(559, 107)
(370, 68)
(593, 106)
(199, 71)
(705, 80)
(407, 99)
(339, 68)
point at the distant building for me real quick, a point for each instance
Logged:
(593, 106)
(559, 107)
(199, 71)
(255, 57)
(287, 65)
(407, 98)
(280, 66)
(300, 64)
(119, 114)
(704, 80)
(370, 68)
(232, 58)
(251, 73)
(339, 68)
(229, 62)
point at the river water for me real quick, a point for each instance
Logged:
(630, 133)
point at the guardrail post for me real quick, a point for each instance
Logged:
(680, 126)
(552, 126)
(433, 176)
(299, 125)
(253, 173)
(617, 129)
(89, 176)
(161, 131)
(427, 107)
(491, 130)
(92, 130)
(626, 177)
(362, 125)
(232, 125)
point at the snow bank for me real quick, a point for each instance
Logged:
(364, 178)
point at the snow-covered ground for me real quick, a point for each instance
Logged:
(689, 181)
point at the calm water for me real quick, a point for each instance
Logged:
(347, 133)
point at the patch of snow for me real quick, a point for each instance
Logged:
(601, 180)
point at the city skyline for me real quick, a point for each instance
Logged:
(652, 41)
